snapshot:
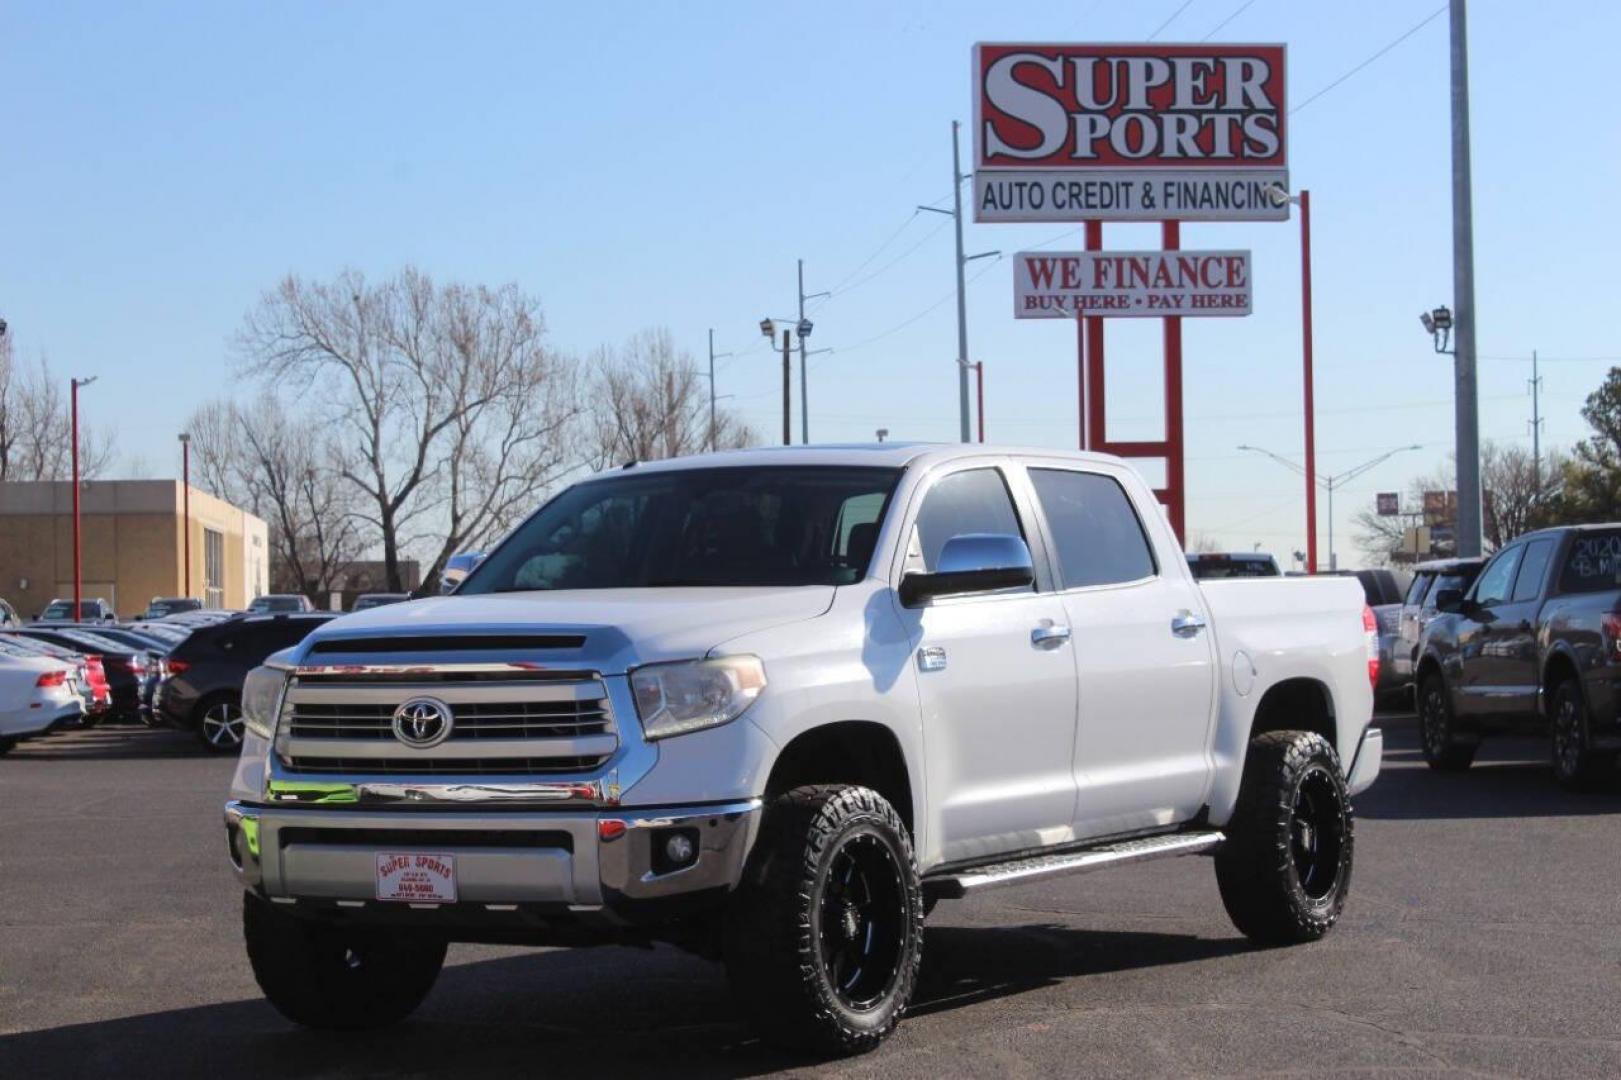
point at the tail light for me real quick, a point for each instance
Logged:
(1370, 633)
(52, 678)
(178, 667)
(1610, 624)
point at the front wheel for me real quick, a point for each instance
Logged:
(825, 933)
(1576, 765)
(1445, 748)
(1285, 869)
(338, 978)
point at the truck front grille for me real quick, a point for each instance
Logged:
(509, 721)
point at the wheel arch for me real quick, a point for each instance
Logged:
(1559, 666)
(1302, 703)
(861, 752)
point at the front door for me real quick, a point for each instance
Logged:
(1485, 636)
(1144, 655)
(1509, 671)
(996, 679)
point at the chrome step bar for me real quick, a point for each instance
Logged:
(954, 886)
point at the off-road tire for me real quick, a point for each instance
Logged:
(1576, 765)
(338, 978)
(1446, 749)
(1275, 891)
(795, 905)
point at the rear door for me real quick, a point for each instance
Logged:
(1144, 656)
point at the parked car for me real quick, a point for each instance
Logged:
(771, 706)
(1207, 565)
(132, 672)
(1384, 590)
(161, 606)
(280, 604)
(8, 615)
(89, 677)
(457, 567)
(1533, 645)
(61, 611)
(366, 601)
(37, 695)
(1418, 606)
(203, 690)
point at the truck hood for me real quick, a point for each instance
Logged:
(622, 627)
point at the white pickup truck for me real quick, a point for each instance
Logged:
(771, 706)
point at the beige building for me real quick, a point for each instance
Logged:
(133, 543)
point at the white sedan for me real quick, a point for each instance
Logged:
(37, 693)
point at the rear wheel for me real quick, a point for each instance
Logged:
(1445, 748)
(826, 931)
(1285, 869)
(1576, 764)
(219, 724)
(338, 978)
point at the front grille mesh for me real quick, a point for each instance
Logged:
(511, 722)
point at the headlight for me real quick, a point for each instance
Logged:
(261, 697)
(673, 699)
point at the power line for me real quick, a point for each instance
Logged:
(1170, 19)
(1240, 10)
(898, 327)
(852, 286)
(1415, 28)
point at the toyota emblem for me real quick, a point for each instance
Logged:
(423, 722)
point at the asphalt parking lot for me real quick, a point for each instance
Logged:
(1481, 937)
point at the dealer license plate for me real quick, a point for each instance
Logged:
(416, 877)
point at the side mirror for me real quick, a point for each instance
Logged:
(1449, 600)
(972, 563)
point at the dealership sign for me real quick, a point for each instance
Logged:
(1064, 284)
(1129, 132)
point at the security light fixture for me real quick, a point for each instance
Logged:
(768, 328)
(1438, 324)
(804, 328)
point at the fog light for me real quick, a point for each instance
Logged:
(674, 849)
(679, 849)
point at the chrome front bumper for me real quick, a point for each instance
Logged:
(584, 860)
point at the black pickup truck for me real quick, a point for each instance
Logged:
(1534, 645)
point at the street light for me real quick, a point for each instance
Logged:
(78, 567)
(1332, 482)
(883, 433)
(1438, 324)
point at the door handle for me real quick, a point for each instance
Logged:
(1043, 636)
(1186, 624)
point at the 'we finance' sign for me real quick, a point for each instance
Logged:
(1128, 284)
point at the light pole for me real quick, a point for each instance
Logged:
(78, 551)
(713, 356)
(804, 370)
(185, 504)
(1280, 197)
(955, 213)
(1330, 483)
(1466, 409)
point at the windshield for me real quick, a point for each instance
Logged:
(277, 604)
(780, 525)
(63, 609)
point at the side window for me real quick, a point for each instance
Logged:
(1497, 580)
(1533, 568)
(1415, 591)
(972, 501)
(1593, 563)
(1099, 538)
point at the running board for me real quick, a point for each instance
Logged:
(954, 886)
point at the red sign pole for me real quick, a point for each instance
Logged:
(1080, 380)
(1171, 232)
(1097, 436)
(78, 606)
(1311, 413)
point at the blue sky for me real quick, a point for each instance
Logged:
(662, 164)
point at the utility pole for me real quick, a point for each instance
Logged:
(804, 369)
(713, 356)
(185, 505)
(957, 178)
(1466, 403)
(1536, 426)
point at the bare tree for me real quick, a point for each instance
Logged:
(447, 410)
(1517, 496)
(649, 402)
(36, 429)
(281, 469)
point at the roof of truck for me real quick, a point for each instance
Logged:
(885, 454)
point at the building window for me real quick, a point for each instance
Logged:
(213, 569)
